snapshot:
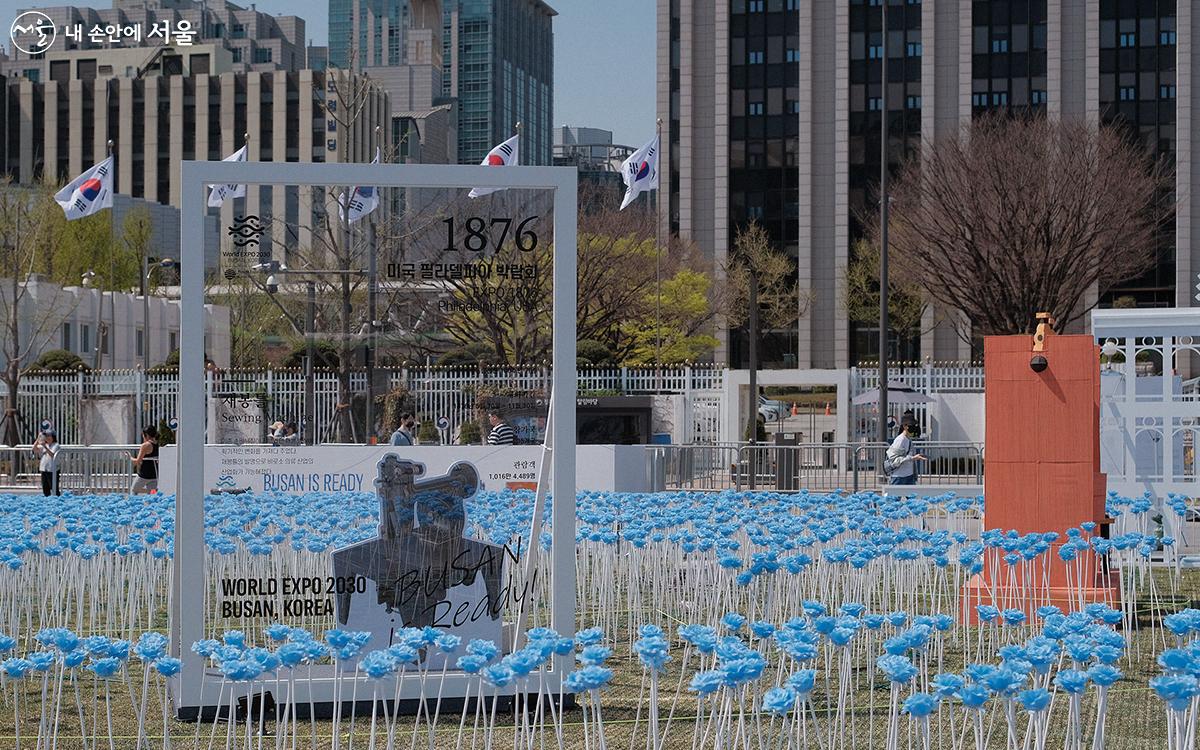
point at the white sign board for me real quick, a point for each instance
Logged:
(296, 470)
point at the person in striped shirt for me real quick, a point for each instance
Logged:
(502, 433)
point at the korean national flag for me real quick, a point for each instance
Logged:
(507, 154)
(640, 171)
(221, 193)
(88, 193)
(363, 200)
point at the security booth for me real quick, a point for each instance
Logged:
(599, 420)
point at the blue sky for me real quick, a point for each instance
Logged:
(603, 55)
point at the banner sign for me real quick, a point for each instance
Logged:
(296, 470)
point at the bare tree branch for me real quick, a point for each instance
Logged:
(1018, 215)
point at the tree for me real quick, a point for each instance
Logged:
(58, 360)
(621, 270)
(678, 332)
(591, 352)
(26, 323)
(325, 355)
(780, 301)
(1018, 215)
(906, 300)
(472, 354)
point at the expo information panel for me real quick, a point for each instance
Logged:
(297, 470)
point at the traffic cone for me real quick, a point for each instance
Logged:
(827, 409)
(795, 409)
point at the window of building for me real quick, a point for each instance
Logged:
(1166, 37)
(875, 51)
(793, 4)
(912, 102)
(874, 103)
(85, 339)
(754, 108)
(755, 6)
(979, 100)
(66, 336)
(236, 54)
(793, 55)
(999, 45)
(1166, 92)
(913, 49)
(238, 31)
(172, 341)
(793, 106)
(262, 54)
(999, 98)
(754, 57)
(1037, 97)
(33, 74)
(1128, 93)
(104, 340)
(139, 342)
(1128, 39)
(754, 212)
(200, 65)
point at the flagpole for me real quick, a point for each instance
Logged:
(104, 334)
(372, 292)
(657, 278)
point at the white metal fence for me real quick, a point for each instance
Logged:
(926, 378)
(449, 392)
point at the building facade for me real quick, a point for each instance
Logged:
(772, 112)
(106, 329)
(592, 152)
(255, 40)
(500, 68)
(200, 110)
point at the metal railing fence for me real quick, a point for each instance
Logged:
(449, 392)
(81, 468)
(812, 466)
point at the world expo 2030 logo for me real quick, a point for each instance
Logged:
(33, 32)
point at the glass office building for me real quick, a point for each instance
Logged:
(499, 57)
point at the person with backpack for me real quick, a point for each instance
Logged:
(899, 464)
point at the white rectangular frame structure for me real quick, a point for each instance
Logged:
(188, 613)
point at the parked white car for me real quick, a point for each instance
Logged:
(771, 410)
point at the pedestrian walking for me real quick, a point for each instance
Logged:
(899, 464)
(404, 433)
(502, 432)
(46, 449)
(145, 463)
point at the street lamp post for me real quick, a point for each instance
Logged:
(372, 291)
(147, 272)
(310, 407)
(274, 268)
(884, 437)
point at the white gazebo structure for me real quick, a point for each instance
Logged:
(1149, 404)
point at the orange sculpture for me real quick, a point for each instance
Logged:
(1042, 469)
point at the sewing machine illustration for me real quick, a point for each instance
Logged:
(420, 570)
